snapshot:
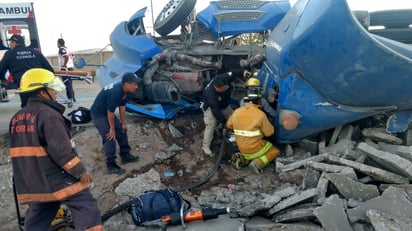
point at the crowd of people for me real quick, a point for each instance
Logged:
(46, 168)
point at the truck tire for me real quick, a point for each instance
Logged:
(173, 14)
(403, 35)
(391, 18)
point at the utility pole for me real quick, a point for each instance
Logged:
(153, 22)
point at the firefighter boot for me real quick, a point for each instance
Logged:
(255, 167)
(238, 161)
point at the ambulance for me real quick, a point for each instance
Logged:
(17, 18)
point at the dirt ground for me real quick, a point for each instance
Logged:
(148, 137)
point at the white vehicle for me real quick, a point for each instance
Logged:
(17, 18)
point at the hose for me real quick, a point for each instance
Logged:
(212, 171)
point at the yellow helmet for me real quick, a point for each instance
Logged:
(252, 82)
(37, 78)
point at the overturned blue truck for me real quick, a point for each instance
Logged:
(324, 66)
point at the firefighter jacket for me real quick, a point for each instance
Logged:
(250, 124)
(45, 167)
(219, 100)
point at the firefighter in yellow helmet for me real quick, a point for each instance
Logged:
(250, 126)
(46, 168)
(254, 83)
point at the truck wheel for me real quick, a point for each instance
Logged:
(391, 18)
(173, 14)
(403, 35)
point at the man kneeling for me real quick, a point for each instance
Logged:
(250, 125)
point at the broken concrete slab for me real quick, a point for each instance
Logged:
(323, 167)
(375, 173)
(332, 215)
(322, 188)
(351, 189)
(301, 163)
(148, 181)
(335, 134)
(309, 146)
(362, 227)
(295, 215)
(293, 177)
(376, 134)
(382, 221)
(263, 224)
(393, 201)
(388, 160)
(292, 200)
(407, 187)
(266, 203)
(310, 179)
(400, 150)
(346, 132)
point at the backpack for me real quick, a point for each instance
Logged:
(81, 115)
(153, 205)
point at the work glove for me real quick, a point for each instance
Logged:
(86, 178)
(247, 74)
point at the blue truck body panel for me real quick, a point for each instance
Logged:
(321, 62)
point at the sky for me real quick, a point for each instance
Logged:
(87, 24)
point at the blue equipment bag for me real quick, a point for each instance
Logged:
(153, 205)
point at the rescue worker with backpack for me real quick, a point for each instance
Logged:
(46, 168)
(250, 126)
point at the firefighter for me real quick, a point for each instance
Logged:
(253, 83)
(46, 168)
(250, 126)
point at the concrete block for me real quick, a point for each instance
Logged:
(393, 201)
(351, 189)
(292, 200)
(391, 162)
(375, 173)
(332, 215)
(293, 177)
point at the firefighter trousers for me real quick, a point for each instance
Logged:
(83, 208)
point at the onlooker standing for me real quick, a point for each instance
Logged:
(216, 105)
(19, 59)
(109, 126)
(46, 170)
(65, 59)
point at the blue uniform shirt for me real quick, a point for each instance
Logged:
(108, 99)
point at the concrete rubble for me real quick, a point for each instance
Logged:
(356, 187)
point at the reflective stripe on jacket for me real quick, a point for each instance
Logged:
(250, 125)
(45, 168)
